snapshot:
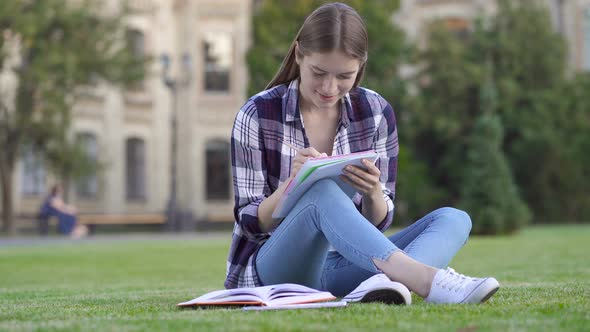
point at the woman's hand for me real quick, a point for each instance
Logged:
(365, 181)
(301, 158)
(265, 209)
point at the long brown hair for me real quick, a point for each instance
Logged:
(332, 26)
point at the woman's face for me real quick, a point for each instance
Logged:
(326, 77)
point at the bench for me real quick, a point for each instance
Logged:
(121, 219)
(93, 220)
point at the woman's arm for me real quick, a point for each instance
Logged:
(376, 182)
(366, 182)
(58, 204)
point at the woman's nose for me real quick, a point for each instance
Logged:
(329, 85)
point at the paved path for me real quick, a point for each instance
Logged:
(123, 237)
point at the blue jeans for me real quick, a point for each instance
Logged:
(299, 249)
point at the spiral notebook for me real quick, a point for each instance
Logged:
(316, 169)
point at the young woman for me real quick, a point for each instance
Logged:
(54, 206)
(329, 241)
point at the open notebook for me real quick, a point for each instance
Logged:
(316, 169)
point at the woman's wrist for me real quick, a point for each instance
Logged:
(374, 196)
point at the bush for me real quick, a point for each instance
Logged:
(489, 193)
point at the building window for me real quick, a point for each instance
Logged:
(87, 187)
(218, 171)
(136, 43)
(217, 54)
(135, 169)
(459, 27)
(586, 62)
(33, 173)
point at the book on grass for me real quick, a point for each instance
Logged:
(266, 296)
(330, 304)
(315, 169)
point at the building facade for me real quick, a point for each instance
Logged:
(199, 79)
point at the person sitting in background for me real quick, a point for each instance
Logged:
(54, 206)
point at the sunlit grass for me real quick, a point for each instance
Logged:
(134, 284)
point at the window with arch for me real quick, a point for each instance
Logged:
(87, 187)
(33, 172)
(217, 169)
(135, 169)
(218, 60)
(136, 42)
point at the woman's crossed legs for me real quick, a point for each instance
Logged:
(299, 249)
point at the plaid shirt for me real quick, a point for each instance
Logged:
(260, 162)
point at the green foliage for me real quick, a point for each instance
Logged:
(443, 112)
(62, 47)
(275, 24)
(488, 190)
(542, 112)
(524, 59)
(415, 192)
(555, 143)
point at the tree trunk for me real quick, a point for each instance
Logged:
(6, 172)
(65, 181)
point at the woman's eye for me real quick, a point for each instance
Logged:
(345, 77)
(319, 74)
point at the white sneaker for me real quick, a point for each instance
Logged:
(379, 288)
(449, 286)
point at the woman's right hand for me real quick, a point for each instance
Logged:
(265, 219)
(301, 157)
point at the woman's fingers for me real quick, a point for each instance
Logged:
(371, 167)
(302, 156)
(356, 182)
(310, 152)
(364, 180)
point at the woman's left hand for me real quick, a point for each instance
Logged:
(365, 181)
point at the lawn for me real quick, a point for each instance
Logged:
(133, 284)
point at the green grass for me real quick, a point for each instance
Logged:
(134, 285)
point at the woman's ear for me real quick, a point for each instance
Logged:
(298, 54)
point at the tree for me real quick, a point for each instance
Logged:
(488, 190)
(60, 45)
(442, 116)
(529, 59)
(535, 103)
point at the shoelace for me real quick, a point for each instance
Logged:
(453, 280)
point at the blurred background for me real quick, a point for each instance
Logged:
(129, 106)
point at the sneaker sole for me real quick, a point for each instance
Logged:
(483, 292)
(387, 296)
(492, 292)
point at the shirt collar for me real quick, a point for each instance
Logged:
(291, 105)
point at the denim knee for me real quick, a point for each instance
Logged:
(324, 186)
(459, 220)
